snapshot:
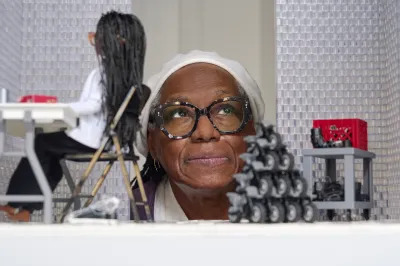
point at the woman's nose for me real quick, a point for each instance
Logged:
(205, 131)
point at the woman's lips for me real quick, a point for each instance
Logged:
(209, 161)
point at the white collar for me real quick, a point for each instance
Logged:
(166, 207)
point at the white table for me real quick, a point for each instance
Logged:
(203, 244)
(24, 120)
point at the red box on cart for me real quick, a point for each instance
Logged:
(355, 130)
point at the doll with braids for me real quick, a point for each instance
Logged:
(120, 45)
(120, 42)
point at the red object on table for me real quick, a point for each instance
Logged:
(35, 98)
(356, 130)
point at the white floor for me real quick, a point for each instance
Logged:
(201, 243)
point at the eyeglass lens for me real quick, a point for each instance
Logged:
(179, 120)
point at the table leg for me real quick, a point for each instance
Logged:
(349, 181)
(307, 173)
(2, 133)
(37, 168)
(368, 179)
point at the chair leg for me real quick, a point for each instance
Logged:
(78, 187)
(126, 178)
(70, 182)
(99, 183)
(142, 191)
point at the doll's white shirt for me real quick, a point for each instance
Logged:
(89, 109)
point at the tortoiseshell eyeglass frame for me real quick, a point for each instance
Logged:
(158, 115)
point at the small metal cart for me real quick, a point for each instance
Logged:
(349, 155)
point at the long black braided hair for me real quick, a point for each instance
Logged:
(121, 45)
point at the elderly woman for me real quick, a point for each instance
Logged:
(200, 108)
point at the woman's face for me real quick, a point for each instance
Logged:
(206, 159)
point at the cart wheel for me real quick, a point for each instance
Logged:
(275, 140)
(310, 212)
(330, 214)
(286, 162)
(235, 217)
(276, 212)
(299, 188)
(271, 161)
(258, 213)
(366, 214)
(282, 185)
(265, 186)
(254, 151)
(293, 212)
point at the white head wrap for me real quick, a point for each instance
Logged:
(234, 68)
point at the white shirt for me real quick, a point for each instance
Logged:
(91, 118)
(166, 207)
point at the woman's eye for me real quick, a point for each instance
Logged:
(179, 113)
(226, 110)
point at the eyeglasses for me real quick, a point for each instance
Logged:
(92, 37)
(178, 120)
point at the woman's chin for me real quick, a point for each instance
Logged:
(207, 176)
(212, 181)
(208, 167)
